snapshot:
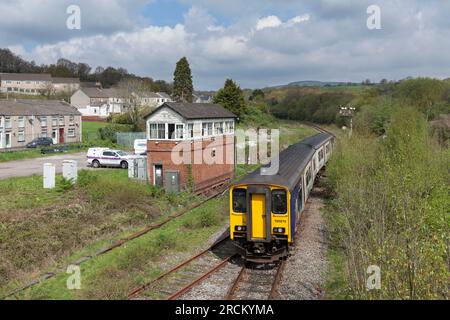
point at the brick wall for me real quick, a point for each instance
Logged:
(204, 173)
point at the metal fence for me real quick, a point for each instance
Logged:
(127, 138)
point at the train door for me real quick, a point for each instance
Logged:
(258, 216)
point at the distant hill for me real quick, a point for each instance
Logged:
(313, 83)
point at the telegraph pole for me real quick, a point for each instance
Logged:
(348, 112)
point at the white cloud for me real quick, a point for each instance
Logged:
(331, 42)
(299, 19)
(268, 22)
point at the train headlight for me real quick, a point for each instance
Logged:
(279, 230)
(240, 228)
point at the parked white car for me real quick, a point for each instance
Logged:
(104, 157)
(140, 147)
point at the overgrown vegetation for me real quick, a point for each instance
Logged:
(390, 209)
(40, 228)
(114, 275)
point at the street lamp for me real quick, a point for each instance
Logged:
(348, 112)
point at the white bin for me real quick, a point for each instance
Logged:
(49, 175)
(70, 170)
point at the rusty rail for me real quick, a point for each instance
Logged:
(276, 281)
(234, 287)
(133, 294)
(200, 279)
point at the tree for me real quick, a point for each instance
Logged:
(257, 94)
(231, 97)
(131, 90)
(182, 82)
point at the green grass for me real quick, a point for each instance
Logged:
(90, 130)
(40, 229)
(113, 275)
(19, 155)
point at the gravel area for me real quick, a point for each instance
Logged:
(305, 272)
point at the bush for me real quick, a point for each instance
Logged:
(109, 132)
(390, 210)
(86, 178)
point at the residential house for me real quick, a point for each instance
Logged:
(36, 84)
(96, 102)
(22, 121)
(153, 99)
(201, 128)
(25, 83)
(202, 98)
(65, 85)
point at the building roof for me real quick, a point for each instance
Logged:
(192, 111)
(25, 107)
(65, 80)
(100, 93)
(292, 163)
(164, 95)
(26, 76)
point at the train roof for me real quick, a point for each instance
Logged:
(293, 161)
(317, 140)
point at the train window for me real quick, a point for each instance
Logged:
(240, 200)
(300, 200)
(320, 155)
(279, 202)
(308, 177)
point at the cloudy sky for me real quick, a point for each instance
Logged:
(256, 42)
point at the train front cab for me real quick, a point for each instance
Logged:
(260, 221)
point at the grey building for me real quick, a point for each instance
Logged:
(22, 121)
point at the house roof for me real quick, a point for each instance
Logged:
(164, 95)
(26, 76)
(25, 107)
(65, 80)
(100, 93)
(292, 163)
(196, 110)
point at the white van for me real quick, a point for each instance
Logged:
(104, 157)
(140, 147)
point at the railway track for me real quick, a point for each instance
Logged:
(179, 280)
(257, 282)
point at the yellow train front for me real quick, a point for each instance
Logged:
(265, 210)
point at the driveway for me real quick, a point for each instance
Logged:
(28, 167)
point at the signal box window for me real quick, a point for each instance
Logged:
(240, 200)
(279, 202)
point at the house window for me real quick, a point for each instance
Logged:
(190, 130)
(21, 136)
(207, 129)
(21, 122)
(43, 121)
(7, 122)
(72, 120)
(54, 121)
(179, 131)
(43, 133)
(229, 127)
(71, 133)
(61, 120)
(157, 131)
(218, 128)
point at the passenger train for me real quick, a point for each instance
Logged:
(265, 210)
